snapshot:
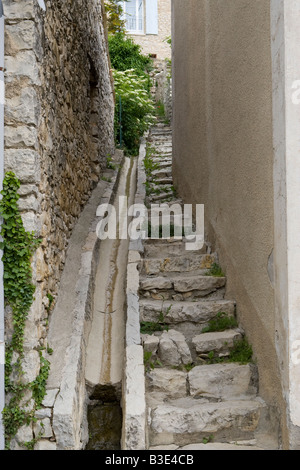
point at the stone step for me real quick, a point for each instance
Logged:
(160, 197)
(177, 312)
(223, 381)
(220, 342)
(214, 382)
(164, 187)
(159, 139)
(183, 263)
(209, 446)
(163, 181)
(163, 165)
(186, 421)
(159, 159)
(164, 172)
(162, 146)
(163, 151)
(167, 248)
(187, 286)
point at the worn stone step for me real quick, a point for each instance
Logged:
(186, 421)
(162, 160)
(186, 262)
(182, 284)
(163, 164)
(167, 248)
(209, 446)
(163, 181)
(161, 196)
(178, 312)
(164, 172)
(167, 188)
(214, 382)
(161, 139)
(223, 381)
(220, 341)
(166, 384)
(181, 287)
(164, 150)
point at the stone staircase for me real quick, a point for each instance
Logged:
(198, 394)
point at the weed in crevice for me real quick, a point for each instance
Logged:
(160, 325)
(241, 352)
(221, 322)
(207, 440)
(148, 363)
(215, 271)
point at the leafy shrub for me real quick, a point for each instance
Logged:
(125, 54)
(115, 21)
(137, 108)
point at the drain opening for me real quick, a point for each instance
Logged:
(104, 415)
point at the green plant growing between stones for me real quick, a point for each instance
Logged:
(241, 352)
(215, 271)
(221, 322)
(18, 248)
(207, 440)
(150, 365)
(109, 164)
(148, 327)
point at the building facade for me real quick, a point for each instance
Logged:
(149, 23)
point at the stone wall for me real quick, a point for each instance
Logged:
(58, 131)
(156, 44)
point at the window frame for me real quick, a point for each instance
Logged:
(136, 31)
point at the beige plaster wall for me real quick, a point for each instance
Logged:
(223, 156)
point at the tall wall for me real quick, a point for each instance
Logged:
(156, 43)
(223, 156)
(58, 131)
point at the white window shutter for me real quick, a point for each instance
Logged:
(151, 17)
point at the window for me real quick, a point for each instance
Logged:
(134, 14)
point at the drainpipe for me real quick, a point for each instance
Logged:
(2, 344)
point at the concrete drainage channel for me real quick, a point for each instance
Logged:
(105, 350)
(87, 331)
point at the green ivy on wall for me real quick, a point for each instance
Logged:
(18, 246)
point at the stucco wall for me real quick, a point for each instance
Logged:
(156, 43)
(223, 155)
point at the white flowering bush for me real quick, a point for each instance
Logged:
(136, 106)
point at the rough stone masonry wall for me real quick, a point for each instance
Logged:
(58, 132)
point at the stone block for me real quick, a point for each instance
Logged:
(19, 36)
(171, 383)
(134, 404)
(22, 107)
(220, 341)
(221, 381)
(25, 164)
(173, 349)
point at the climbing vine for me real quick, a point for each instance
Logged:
(18, 246)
